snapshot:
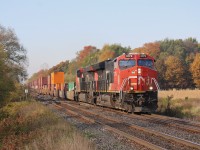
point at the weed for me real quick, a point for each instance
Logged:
(89, 135)
(181, 108)
(30, 125)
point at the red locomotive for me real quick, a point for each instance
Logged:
(128, 82)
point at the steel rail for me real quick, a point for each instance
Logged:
(160, 120)
(165, 136)
(178, 121)
(121, 133)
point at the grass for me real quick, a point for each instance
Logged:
(181, 104)
(32, 126)
(180, 94)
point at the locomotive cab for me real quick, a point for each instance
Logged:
(138, 82)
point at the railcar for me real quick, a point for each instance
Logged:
(128, 82)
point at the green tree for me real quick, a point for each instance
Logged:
(15, 53)
(13, 63)
(6, 84)
(195, 69)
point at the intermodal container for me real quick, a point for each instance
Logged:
(49, 82)
(71, 86)
(57, 78)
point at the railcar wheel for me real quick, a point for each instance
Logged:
(130, 108)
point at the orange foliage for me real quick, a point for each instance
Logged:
(174, 72)
(195, 69)
(106, 55)
(87, 50)
(153, 49)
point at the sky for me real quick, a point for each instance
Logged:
(55, 30)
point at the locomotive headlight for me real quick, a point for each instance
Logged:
(131, 88)
(151, 88)
(139, 70)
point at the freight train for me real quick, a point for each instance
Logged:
(128, 82)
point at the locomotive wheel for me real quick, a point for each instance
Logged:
(112, 103)
(92, 100)
(129, 108)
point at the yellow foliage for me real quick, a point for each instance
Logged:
(174, 71)
(195, 69)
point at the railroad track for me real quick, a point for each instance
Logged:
(173, 122)
(151, 138)
(158, 119)
(176, 120)
(136, 140)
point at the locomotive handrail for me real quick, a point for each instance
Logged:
(156, 83)
(123, 83)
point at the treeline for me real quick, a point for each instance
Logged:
(177, 61)
(13, 62)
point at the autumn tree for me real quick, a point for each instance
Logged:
(106, 53)
(174, 72)
(195, 69)
(153, 49)
(62, 66)
(86, 55)
(191, 48)
(112, 51)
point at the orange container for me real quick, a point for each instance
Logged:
(57, 78)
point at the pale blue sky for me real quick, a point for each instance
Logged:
(54, 30)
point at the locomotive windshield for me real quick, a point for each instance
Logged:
(124, 64)
(146, 63)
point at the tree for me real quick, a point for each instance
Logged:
(106, 53)
(15, 53)
(112, 51)
(6, 84)
(153, 49)
(161, 68)
(84, 56)
(195, 70)
(13, 63)
(174, 74)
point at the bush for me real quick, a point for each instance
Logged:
(30, 125)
